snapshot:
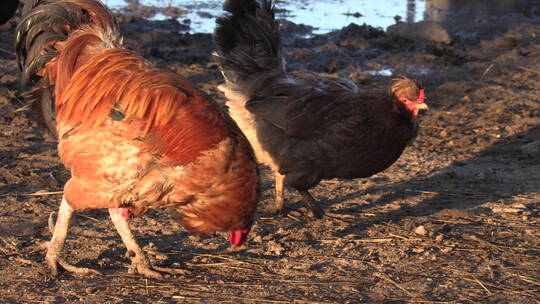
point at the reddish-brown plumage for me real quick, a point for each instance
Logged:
(136, 137)
(173, 118)
(154, 154)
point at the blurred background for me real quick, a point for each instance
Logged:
(328, 15)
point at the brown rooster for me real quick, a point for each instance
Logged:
(135, 137)
(304, 126)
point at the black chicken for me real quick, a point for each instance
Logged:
(307, 127)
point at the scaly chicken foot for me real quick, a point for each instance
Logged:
(312, 203)
(74, 269)
(139, 262)
(317, 211)
(55, 245)
(280, 208)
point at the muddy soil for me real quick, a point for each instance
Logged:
(455, 220)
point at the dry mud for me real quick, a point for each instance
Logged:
(455, 220)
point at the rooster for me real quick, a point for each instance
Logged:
(7, 10)
(135, 137)
(307, 127)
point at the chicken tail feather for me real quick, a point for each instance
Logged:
(8, 10)
(248, 44)
(46, 24)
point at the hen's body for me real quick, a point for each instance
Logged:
(152, 141)
(135, 137)
(304, 126)
(312, 131)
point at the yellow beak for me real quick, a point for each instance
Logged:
(422, 106)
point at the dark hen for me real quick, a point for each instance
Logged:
(307, 127)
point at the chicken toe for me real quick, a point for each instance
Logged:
(316, 211)
(139, 265)
(289, 212)
(139, 262)
(74, 269)
(281, 209)
(54, 247)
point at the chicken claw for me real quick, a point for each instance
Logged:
(54, 247)
(139, 265)
(74, 269)
(54, 260)
(139, 262)
(316, 211)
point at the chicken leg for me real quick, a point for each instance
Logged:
(139, 263)
(317, 211)
(55, 245)
(312, 203)
(280, 195)
(280, 198)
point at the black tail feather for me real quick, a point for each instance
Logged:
(44, 23)
(42, 105)
(248, 40)
(7, 10)
(242, 7)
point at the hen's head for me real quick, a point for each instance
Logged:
(410, 94)
(239, 237)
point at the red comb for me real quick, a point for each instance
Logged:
(421, 97)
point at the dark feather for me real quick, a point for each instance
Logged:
(7, 10)
(319, 130)
(313, 127)
(45, 23)
(42, 100)
(29, 5)
(248, 42)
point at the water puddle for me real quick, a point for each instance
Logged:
(328, 15)
(410, 70)
(323, 15)
(382, 72)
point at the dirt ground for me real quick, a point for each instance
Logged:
(455, 220)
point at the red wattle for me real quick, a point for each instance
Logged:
(239, 237)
